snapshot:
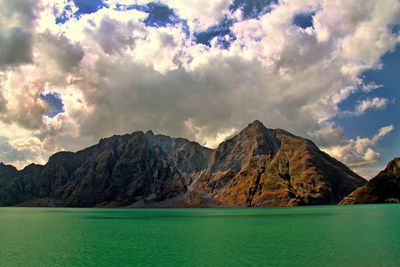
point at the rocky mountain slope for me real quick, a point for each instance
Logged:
(383, 188)
(257, 167)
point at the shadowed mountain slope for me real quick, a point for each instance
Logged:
(383, 188)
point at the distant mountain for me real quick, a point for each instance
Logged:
(383, 188)
(257, 167)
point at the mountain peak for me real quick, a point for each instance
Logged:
(393, 167)
(255, 126)
(256, 123)
(7, 171)
(6, 166)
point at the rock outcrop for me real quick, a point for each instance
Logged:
(257, 167)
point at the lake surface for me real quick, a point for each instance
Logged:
(364, 235)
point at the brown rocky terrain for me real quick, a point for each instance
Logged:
(266, 167)
(257, 167)
(383, 188)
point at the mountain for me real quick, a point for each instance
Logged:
(266, 167)
(257, 167)
(383, 188)
(7, 172)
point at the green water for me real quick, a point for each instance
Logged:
(365, 235)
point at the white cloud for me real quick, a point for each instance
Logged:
(370, 87)
(382, 132)
(200, 134)
(200, 14)
(374, 103)
(364, 105)
(116, 75)
(358, 152)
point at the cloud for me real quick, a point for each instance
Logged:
(370, 87)
(358, 152)
(374, 103)
(382, 132)
(364, 105)
(16, 19)
(114, 36)
(200, 14)
(116, 73)
(15, 47)
(21, 94)
(58, 48)
(18, 12)
(19, 157)
(200, 134)
(328, 136)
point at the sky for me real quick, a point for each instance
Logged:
(74, 71)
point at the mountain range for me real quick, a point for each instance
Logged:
(257, 167)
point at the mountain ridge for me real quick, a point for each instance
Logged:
(257, 167)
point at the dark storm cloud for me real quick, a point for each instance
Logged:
(15, 36)
(15, 47)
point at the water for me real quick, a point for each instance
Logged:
(365, 235)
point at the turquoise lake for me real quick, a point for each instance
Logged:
(363, 235)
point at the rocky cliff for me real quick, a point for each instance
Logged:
(257, 167)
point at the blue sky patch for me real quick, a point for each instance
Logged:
(389, 78)
(252, 8)
(394, 28)
(84, 7)
(303, 20)
(54, 103)
(222, 31)
(159, 14)
(89, 6)
(66, 15)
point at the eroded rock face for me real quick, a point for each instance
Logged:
(257, 167)
(383, 188)
(266, 167)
